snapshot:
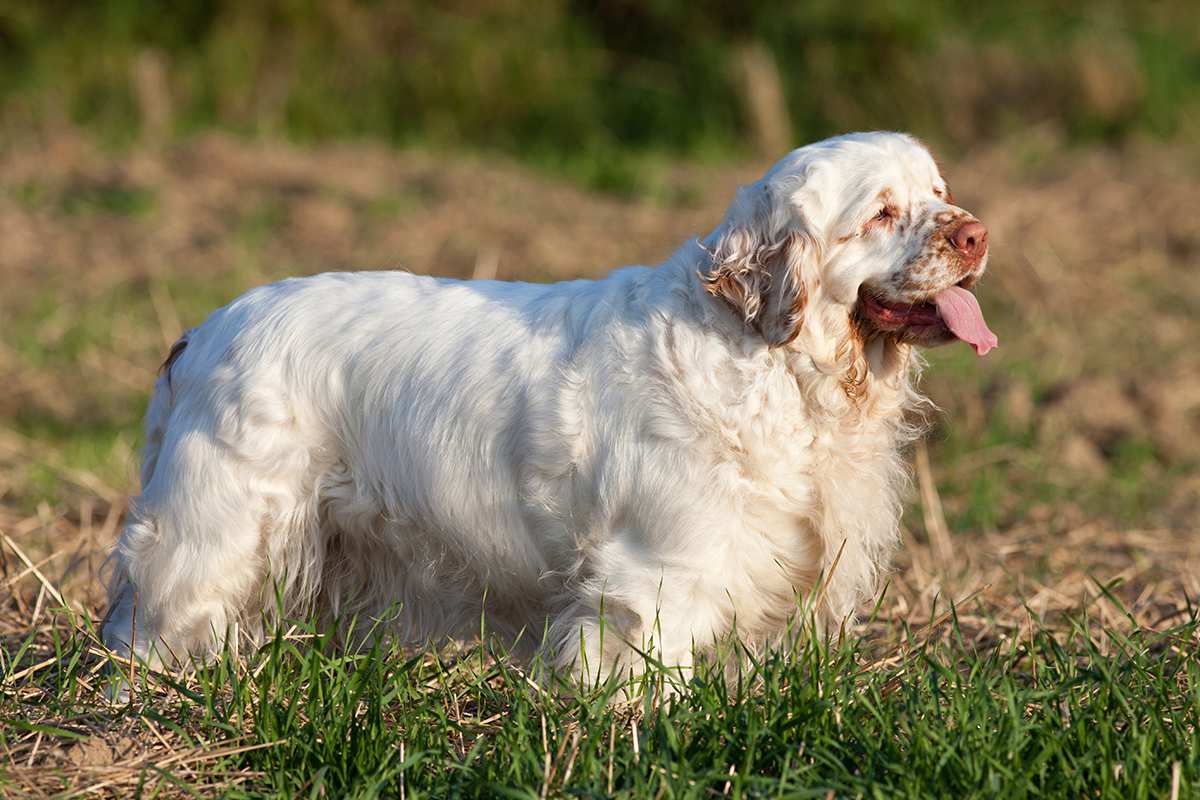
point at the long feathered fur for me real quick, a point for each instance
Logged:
(662, 454)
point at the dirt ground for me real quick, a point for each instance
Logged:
(1065, 461)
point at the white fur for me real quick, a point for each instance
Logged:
(646, 446)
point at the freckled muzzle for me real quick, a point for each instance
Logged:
(954, 253)
(936, 305)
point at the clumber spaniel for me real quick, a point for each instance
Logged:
(647, 461)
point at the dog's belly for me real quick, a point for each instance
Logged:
(438, 547)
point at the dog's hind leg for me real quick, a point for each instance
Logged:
(189, 557)
(191, 560)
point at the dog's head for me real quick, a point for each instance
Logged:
(861, 225)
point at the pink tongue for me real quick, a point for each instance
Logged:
(960, 311)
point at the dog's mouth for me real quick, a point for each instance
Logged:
(950, 314)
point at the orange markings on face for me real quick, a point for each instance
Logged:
(887, 215)
(926, 272)
(944, 195)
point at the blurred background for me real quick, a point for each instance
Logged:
(590, 90)
(157, 159)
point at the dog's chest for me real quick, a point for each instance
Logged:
(825, 471)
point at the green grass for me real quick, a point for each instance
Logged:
(1089, 712)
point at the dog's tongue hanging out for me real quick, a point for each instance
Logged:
(960, 311)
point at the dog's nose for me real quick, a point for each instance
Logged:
(970, 239)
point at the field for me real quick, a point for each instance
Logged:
(1037, 636)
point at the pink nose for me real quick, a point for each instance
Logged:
(970, 239)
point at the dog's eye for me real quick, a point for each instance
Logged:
(883, 215)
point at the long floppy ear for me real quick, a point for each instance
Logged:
(758, 263)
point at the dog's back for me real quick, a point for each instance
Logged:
(366, 440)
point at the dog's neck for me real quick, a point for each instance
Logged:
(818, 425)
(843, 376)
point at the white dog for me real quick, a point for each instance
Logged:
(650, 460)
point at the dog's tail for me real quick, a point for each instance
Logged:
(176, 351)
(115, 576)
(160, 407)
(157, 415)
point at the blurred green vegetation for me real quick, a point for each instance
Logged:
(589, 88)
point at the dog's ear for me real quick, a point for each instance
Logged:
(759, 259)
